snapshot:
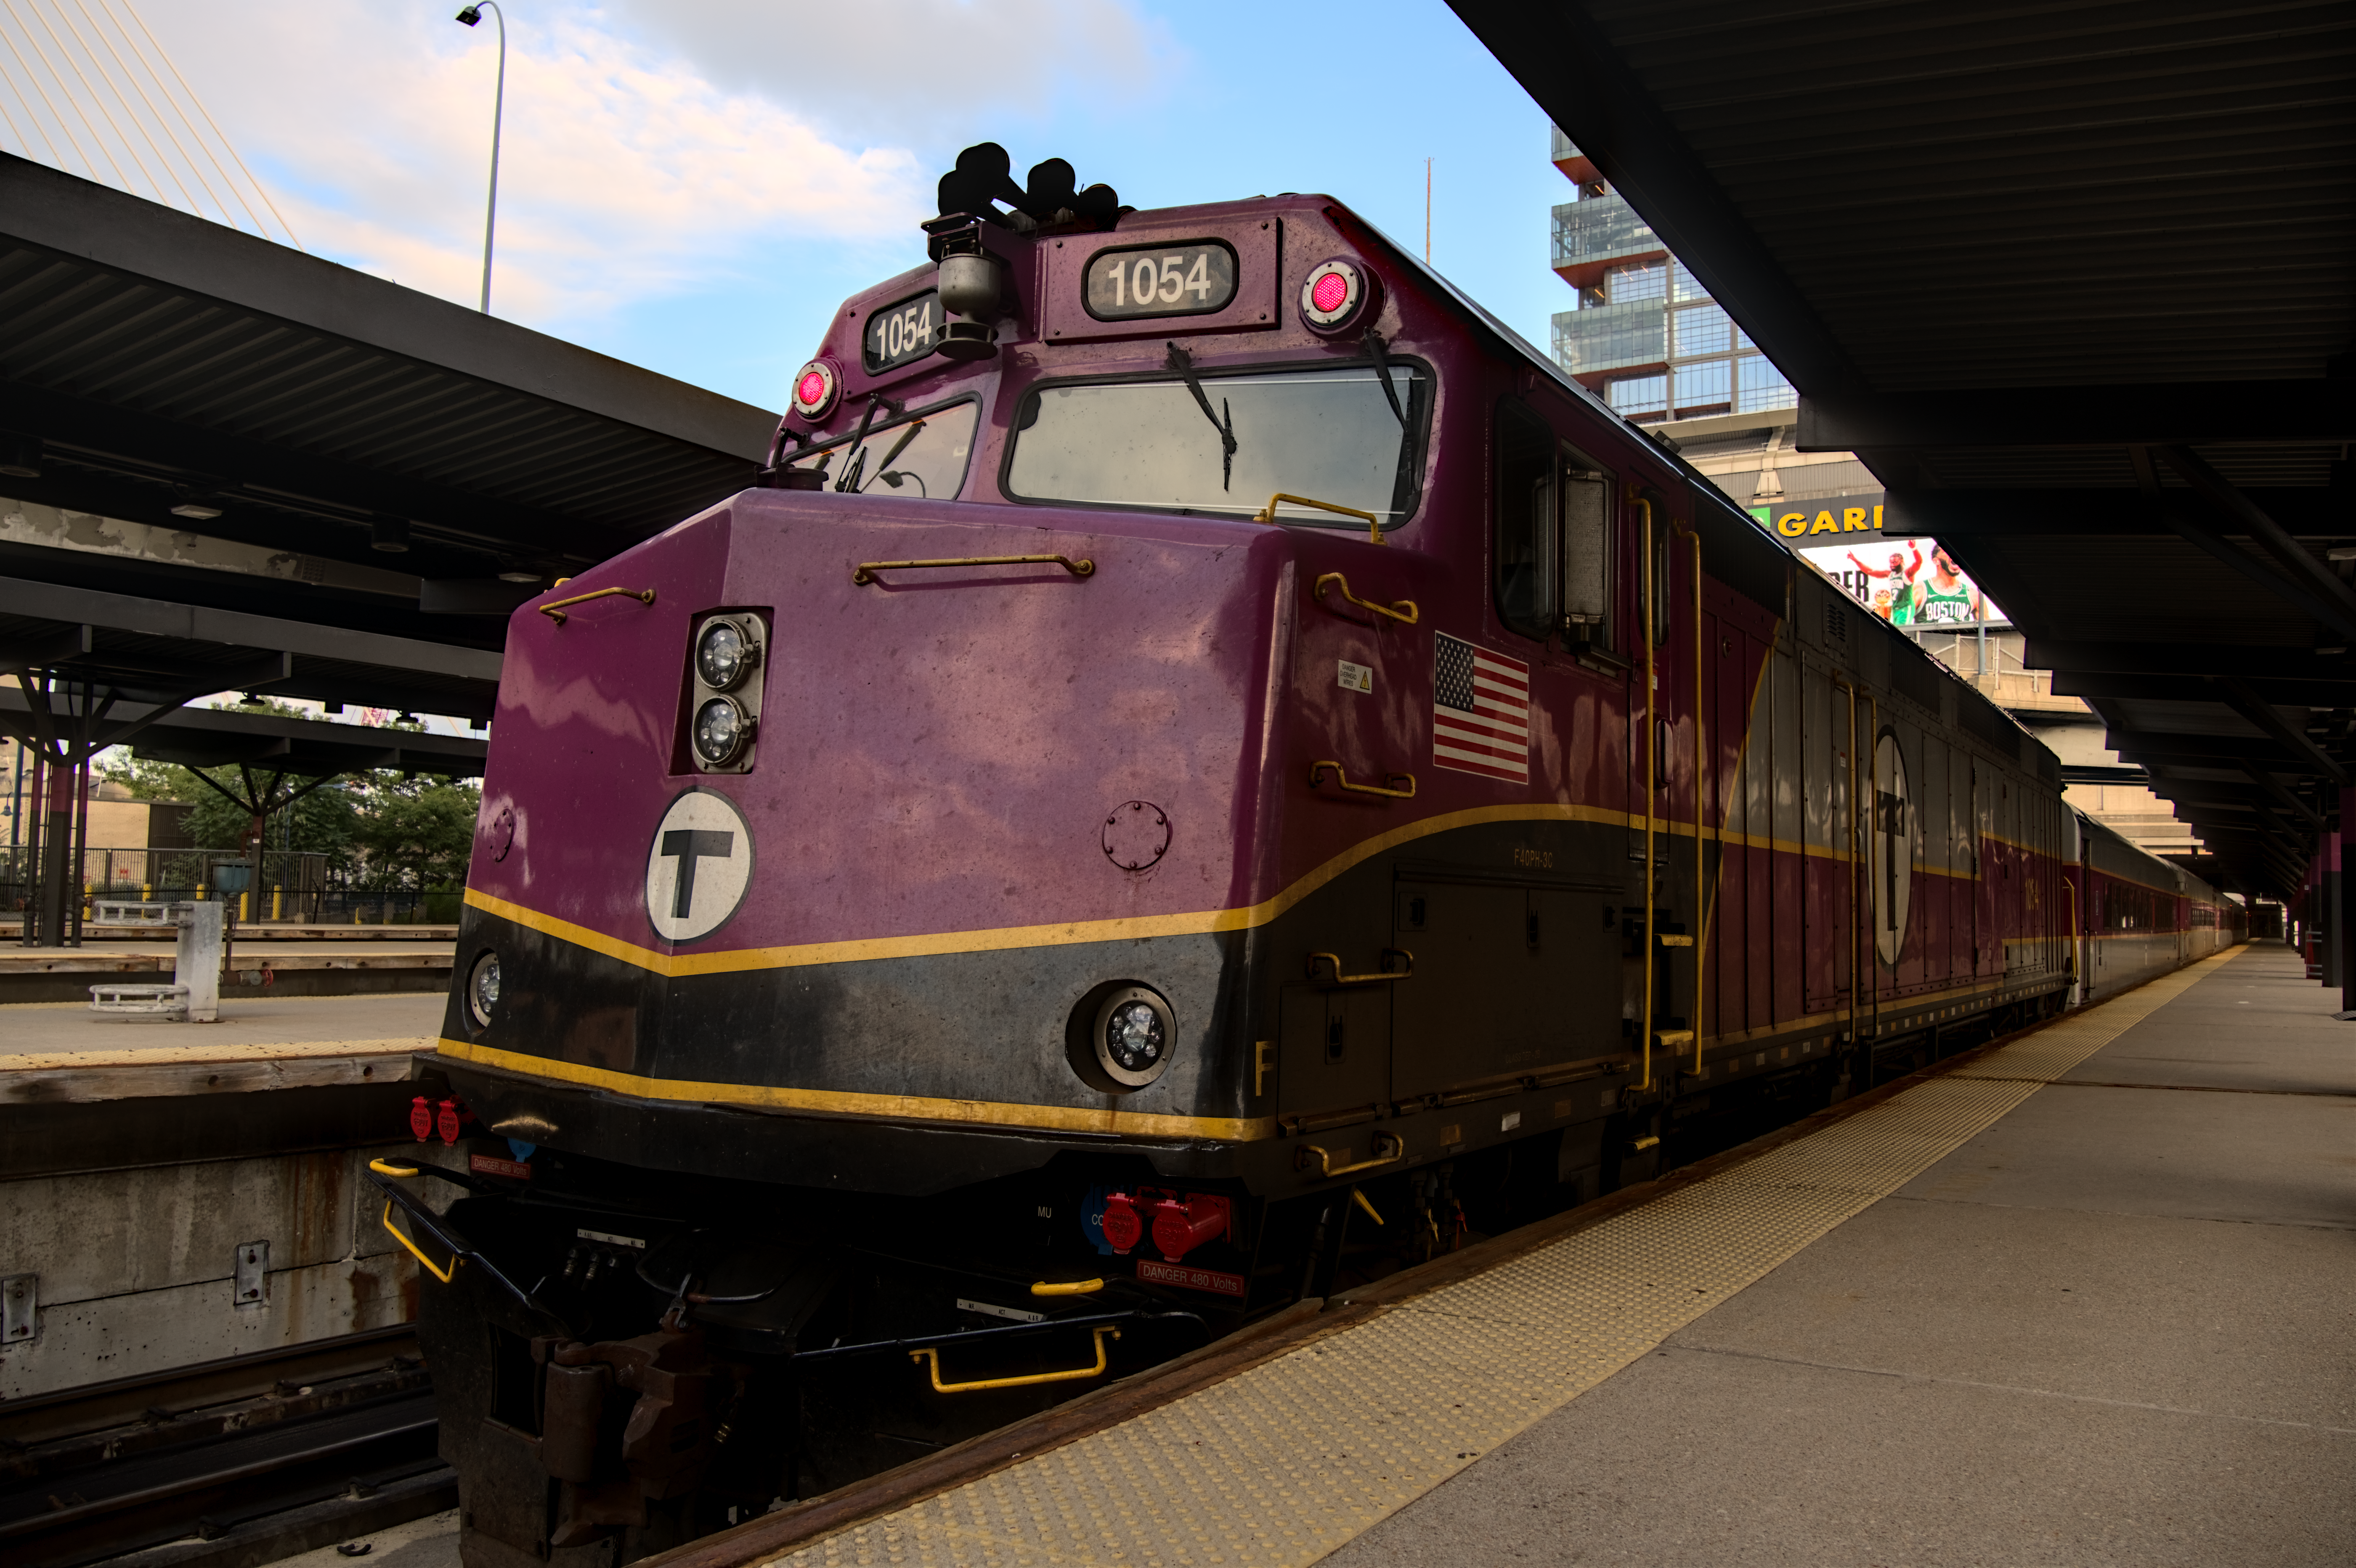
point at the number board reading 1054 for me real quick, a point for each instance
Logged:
(1194, 279)
(902, 333)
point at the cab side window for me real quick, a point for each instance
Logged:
(1553, 533)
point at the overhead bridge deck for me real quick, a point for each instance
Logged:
(2020, 1308)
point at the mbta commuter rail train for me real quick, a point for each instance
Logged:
(1204, 766)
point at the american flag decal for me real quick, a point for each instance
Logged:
(1480, 711)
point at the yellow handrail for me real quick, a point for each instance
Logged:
(1067, 1288)
(1326, 1167)
(1342, 980)
(1317, 777)
(1374, 524)
(866, 569)
(399, 1172)
(933, 1355)
(1403, 612)
(555, 611)
(423, 1261)
(1701, 897)
(1652, 763)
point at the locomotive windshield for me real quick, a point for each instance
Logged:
(922, 457)
(1327, 432)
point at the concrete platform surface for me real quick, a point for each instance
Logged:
(2119, 1326)
(104, 957)
(44, 1028)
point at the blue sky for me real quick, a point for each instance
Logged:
(693, 185)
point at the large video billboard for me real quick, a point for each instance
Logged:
(1906, 580)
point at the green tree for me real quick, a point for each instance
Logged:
(415, 833)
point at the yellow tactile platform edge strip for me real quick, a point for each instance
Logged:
(1285, 1462)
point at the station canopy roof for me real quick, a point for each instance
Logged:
(266, 743)
(2078, 283)
(153, 650)
(190, 413)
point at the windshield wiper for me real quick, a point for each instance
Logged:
(858, 446)
(1377, 350)
(883, 468)
(1183, 363)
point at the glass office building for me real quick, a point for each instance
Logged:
(1645, 333)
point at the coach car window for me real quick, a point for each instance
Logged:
(919, 456)
(1554, 533)
(1320, 431)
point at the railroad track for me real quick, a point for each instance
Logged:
(224, 1465)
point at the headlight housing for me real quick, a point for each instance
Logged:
(722, 731)
(724, 655)
(724, 681)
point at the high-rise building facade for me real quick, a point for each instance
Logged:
(1645, 332)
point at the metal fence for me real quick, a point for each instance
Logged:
(296, 887)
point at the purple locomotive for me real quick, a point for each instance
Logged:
(1204, 765)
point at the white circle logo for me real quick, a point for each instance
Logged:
(698, 867)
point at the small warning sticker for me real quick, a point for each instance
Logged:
(487, 1165)
(1186, 1278)
(1354, 677)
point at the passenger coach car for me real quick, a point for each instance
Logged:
(1204, 764)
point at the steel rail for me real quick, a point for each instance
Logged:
(33, 1526)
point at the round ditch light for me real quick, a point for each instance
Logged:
(483, 989)
(1134, 1036)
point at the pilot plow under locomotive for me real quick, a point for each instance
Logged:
(1203, 766)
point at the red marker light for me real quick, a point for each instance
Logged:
(1336, 294)
(815, 385)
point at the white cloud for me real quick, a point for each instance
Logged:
(624, 175)
(941, 73)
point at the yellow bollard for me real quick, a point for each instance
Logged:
(277, 900)
(147, 893)
(243, 902)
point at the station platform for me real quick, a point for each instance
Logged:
(276, 964)
(2084, 1297)
(49, 1038)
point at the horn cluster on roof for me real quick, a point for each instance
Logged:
(984, 177)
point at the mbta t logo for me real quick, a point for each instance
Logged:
(698, 866)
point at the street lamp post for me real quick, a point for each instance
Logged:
(470, 15)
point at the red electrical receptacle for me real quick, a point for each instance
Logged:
(453, 1115)
(1123, 1228)
(421, 1118)
(1179, 1227)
